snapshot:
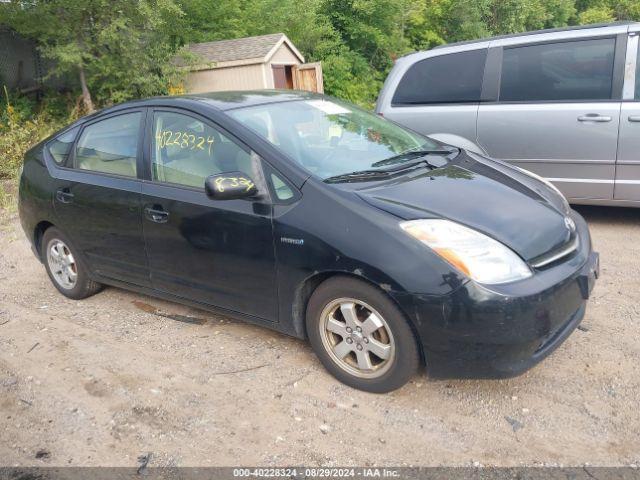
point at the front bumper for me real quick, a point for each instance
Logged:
(498, 332)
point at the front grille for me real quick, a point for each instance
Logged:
(558, 254)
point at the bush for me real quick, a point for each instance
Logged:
(23, 124)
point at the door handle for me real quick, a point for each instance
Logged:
(63, 195)
(156, 214)
(634, 118)
(594, 117)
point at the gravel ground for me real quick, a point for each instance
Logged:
(108, 379)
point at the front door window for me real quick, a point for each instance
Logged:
(185, 151)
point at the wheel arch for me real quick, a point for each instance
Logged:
(38, 233)
(310, 284)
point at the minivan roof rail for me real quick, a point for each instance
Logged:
(536, 32)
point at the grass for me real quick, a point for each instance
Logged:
(8, 195)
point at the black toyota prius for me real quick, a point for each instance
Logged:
(386, 249)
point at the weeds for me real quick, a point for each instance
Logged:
(23, 123)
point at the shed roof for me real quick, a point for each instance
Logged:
(241, 51)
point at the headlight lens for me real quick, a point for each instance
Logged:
(478, 256)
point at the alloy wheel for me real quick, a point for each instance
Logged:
(62, 264)
(357, 338)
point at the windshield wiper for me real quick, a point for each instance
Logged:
(399, 165)
(379, 172)
(415, 153)
(360, 175)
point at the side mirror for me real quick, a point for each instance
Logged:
(229, 186)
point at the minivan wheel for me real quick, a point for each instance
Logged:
(64, 267)
(361, 336)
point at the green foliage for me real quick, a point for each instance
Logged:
(23, 123)
(121, 47)
(206, 21)
(597, 14)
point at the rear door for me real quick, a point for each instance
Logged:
(437, 94)
(217, 253)
(558, 111)
(628, 167)
(97, 198)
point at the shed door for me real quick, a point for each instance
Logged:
(308, 77)
(282, 76)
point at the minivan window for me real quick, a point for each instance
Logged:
(60, 147)
(110, 146)
(566, 71)
(186, 151)
(453, 78)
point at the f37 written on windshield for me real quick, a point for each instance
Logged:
(186, 140)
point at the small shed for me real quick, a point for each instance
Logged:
(251, 63)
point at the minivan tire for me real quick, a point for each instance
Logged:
(83, 287)
(405, 359)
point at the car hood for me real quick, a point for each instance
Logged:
(498, 200)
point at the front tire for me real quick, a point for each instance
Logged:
(360, 335)
(65, 269)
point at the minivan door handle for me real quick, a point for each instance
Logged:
(634, 118)
(63, 195)
(594, 117)
(156, 214)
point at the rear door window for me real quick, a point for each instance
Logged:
(566, 71)
(453, 78)
(110, 146)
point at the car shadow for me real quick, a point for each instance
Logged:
(608, 215)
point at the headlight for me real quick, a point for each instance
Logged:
(565, 203)
(478, 256)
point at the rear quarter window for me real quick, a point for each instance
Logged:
(60, 147)
(452, 78)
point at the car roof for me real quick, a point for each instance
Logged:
(218, 100)
(250, 98)
(536, 32)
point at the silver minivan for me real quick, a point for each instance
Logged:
(563, 103)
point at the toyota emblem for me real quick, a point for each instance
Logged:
(571, 225)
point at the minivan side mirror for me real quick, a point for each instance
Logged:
(229, 186)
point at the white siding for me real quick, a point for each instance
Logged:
(245, 77)
(284, 56)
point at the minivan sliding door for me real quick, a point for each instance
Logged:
(628, 166)
(558, 112)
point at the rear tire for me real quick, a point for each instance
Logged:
(65, 268)
(361, 336)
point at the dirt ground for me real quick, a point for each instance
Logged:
(119, 375)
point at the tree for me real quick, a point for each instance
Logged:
(595, 11)
(117, 48)
(206, 21)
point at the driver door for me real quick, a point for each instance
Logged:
(217, 253)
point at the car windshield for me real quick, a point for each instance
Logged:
(330, 138)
